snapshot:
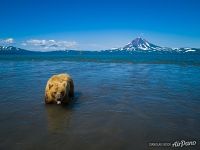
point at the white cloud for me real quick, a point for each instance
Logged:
(49, 44)
(7, 41)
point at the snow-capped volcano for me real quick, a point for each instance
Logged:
(141, 44)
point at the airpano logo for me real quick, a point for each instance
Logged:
(184, 143)
(176, 144)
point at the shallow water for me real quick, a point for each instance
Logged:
(116, 105)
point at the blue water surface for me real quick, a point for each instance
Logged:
(118, 104)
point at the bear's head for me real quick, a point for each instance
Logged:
(59, 91)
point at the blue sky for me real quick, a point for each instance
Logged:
(98, 24)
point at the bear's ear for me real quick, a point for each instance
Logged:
(50, 86)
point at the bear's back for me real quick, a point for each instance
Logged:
(60, 78)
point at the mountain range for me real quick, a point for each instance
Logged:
(142, 45)
(138, 45)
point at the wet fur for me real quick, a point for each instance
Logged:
(62, 85)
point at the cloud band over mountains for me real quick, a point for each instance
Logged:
(42, 44)
(49, 44)
(7, 41)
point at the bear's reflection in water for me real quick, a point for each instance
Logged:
(58, 117)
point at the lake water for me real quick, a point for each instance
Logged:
(117, 105)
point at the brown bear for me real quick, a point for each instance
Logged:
(59, 89)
